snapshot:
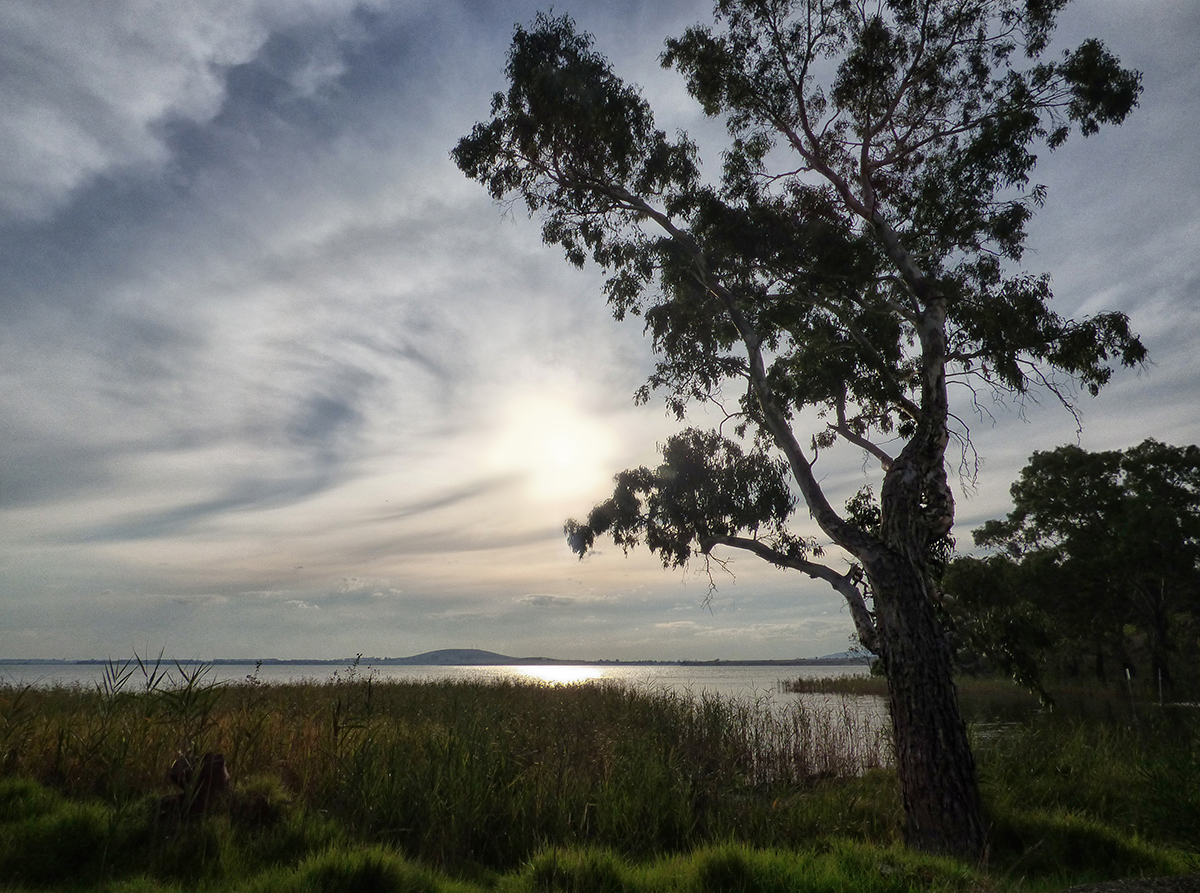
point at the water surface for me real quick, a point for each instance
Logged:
(722, 679)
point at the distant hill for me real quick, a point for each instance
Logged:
(456, 657)
(848, 657)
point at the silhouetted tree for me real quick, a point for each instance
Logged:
(855, 256)
(1106, 547)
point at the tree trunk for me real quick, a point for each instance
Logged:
(942, 806)
(1160, 645)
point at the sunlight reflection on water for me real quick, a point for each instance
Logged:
(558, 675)
(754, 682)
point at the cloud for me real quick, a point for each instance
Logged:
(547, 601)
(586, 600)
(301, 605)
(260, 334)
(449, 498)
(90, 88)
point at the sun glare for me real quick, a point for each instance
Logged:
(558, 449)
(561, 675)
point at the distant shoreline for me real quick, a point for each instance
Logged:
(458, 659)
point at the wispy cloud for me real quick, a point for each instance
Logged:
(261, 338)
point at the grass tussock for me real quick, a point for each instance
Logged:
(354, 784)
(835, 866)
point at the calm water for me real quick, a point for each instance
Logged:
(736, 681)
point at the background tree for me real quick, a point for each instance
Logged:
(856, 256)
(993, 607)
(1107, 548)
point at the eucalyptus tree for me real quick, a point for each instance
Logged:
(858, 252)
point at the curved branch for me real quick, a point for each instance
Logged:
(843, 429)
(864, 623)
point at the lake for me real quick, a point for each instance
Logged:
(722, 679)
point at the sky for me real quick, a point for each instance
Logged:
(277, 380)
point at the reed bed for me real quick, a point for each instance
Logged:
(860, 686)
(357, 784)
(451, 772)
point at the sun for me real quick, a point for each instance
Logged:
(558, 449)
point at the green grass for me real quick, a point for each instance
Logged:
(360, 785)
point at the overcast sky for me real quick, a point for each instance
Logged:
(278, 381)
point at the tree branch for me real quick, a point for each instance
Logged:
(864, 624)
(857, 439)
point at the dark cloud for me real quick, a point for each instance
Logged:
(321, 420)
(44, 469)
(242, 496)
(450, 498)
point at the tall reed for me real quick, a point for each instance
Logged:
(453, 771)
(477, 777)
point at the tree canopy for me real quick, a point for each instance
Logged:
(1106, 549)
(859, 253)
(858, 224)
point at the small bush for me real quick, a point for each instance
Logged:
(139, 885)
(23, 798)
(579, 871)
(67, 843)
(1049, 844)
(354, 870)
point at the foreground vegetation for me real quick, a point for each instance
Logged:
(360, 785)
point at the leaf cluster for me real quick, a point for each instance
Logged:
(1070, 502)
(927, 123)
(570, 139)
(707, 485)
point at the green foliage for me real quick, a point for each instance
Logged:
(24, 798)
(926, 124)
(1098, 564)
(1087, 800)
(706, 486)
(598, 789)
(1133, 777)
(568, 120)
(58, 846)
(997, 626)
(139, 885)
(579, 871)
(454, 774)
(346, 870)
(1049, 843)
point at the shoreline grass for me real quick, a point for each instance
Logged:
(475, 782)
